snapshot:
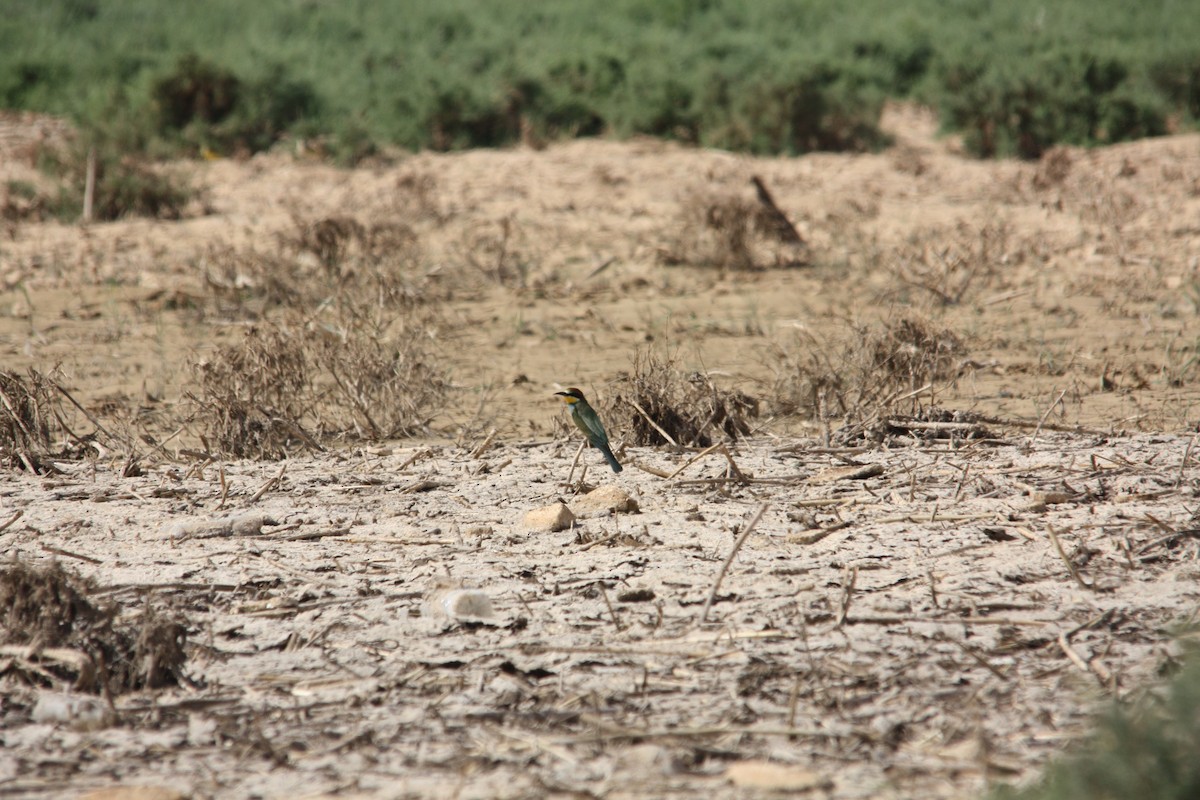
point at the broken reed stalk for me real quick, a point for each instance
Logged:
(694, 459)
(1063, 554)
(483, 447)
(1187, 453)
(268, 486)
(424, 452)
(1046, 415)
(611, 611)
(16, 516)
(734, 470)
(1102, 673)
(781, 226)
(737, 545)
(224, 487)
(847, 594)
(575, 463)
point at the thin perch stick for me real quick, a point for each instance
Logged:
(487, 442)
(737, 545)
(1042, 421)
(575, 463)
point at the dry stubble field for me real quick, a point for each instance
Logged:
(928, 601)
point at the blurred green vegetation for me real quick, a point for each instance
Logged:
(770, 76)
(1148, 748)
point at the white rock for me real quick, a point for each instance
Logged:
(549, 518)
(604, 500)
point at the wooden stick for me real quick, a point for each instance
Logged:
(897, 620)
(597, 542)
(737, 472)
(1050, 408)
(694, 459)
(58, 551)
(719, 730)
(1187, 453)
(268, 486)
(89, 185)
(737, 545)
(611, 612)
(847, 594)
(415, 457)
(4, 525)
(487, 442)
(224, 486)
(782, 227)
(575, 463)
(1074, 657)
(1063, 554)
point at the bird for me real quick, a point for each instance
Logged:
(588, 421)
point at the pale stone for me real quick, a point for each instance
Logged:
(773, 777)
(604, 500)
(549, 518)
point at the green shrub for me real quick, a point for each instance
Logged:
(204, 105)
(1146, 750)
(196, 91)
(769, 76)
(1025, 104)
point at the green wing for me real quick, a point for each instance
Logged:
(589, 422)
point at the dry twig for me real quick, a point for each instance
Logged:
(737, 545)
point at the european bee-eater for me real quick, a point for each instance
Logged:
(588, 421)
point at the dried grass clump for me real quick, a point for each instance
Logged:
(331, 261)
(383, 387)
(657, 401)
(253, 394)
(31, 417)
(284, 387)
(864, 375)
(501, 251)
(1053, 168)
(950, 264)
(69, 638)
(910, 352)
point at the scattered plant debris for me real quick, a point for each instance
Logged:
(67, 639)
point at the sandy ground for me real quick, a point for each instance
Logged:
(917, 618)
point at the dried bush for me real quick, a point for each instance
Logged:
(863, 375)
(339, 261)
(70, 638)
(948, 264)
(911, 352)
(1053, 168)
(22, 201)
(383, 387)
(285, 387)
(498, 250)
(690, 409)
(1144, 746)
(253, 395)
(31, 418)
(127, 183)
